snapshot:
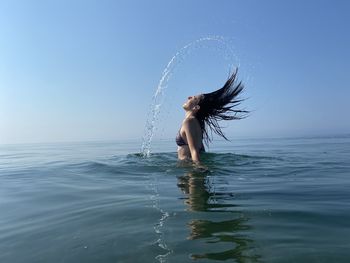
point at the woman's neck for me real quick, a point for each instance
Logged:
(189, 114)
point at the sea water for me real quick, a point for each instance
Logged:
(262, 200)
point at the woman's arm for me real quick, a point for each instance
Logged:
(194, 138)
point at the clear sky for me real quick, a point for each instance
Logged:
(87, 70)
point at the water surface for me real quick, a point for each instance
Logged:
(262, 200)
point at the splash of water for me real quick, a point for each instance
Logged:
(158, 97)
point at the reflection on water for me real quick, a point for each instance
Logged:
(226, 231)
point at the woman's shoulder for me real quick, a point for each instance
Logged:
(190, 122)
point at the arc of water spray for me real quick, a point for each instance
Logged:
(158, 97)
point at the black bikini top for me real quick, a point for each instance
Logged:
(179, 140)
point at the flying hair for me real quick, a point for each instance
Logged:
(220, 105)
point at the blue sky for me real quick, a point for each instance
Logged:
(87, 70)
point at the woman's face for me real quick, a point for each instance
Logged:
(192, 101)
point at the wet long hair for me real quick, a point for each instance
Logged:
(220, 105)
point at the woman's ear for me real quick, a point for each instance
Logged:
(197, 107)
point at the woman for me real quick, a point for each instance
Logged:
(203, 111)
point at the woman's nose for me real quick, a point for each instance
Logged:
(190, 97)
